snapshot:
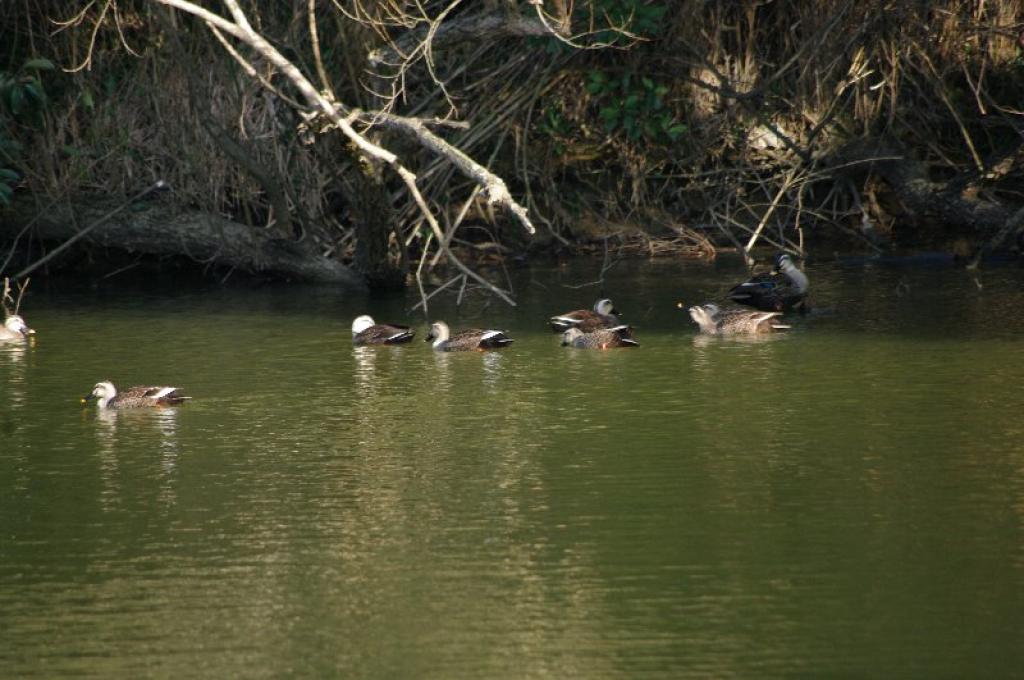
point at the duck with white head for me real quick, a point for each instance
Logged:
(14, 328)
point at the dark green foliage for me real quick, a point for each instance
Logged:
(635, 106)
(555, 126)
(21, 93)
(22, 99)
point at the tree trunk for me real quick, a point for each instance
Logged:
(374, 219)
(157, 229)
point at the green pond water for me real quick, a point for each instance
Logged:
(842, 500)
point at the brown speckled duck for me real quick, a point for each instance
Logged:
(467, 340)
(715, 321)
(366, 332)
(603, 315)
(602, 338)
(107, 396)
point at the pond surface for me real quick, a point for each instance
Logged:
(843, 500)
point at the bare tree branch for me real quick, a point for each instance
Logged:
(493, 186)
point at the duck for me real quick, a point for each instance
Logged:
(603, 315)
(367, 332)
(715, 321)
(784, 289)
(14, 328)
(134, 397)
(602, 338)
(466, 340)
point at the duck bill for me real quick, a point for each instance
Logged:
(87, 398)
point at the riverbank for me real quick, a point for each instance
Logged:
(808, 126)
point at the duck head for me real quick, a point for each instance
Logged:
(783, 263)
(605, 307)
(361, 323)
(104, 391)
(570, 336)
(703, 316)
(439, 332)
(17, 324)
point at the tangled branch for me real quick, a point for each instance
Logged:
(342, 118)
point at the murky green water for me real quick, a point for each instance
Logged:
(846, 500)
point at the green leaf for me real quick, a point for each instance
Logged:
(39, 65)
(36, 91)
(610, 114)
(648, 83)
(87, 101)
(16, 100)
(675, 131)
(6, 193)
(8, 175)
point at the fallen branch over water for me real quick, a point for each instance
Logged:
(159, 230)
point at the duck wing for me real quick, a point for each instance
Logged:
(492, 339)
(159, 394)
(764, 291)
(573, 319)
(384, 334)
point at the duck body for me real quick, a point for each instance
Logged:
(107, 396)
(715, 321)
(366, 332)
(467, 340)
(602, 338)
(781, 290)
(14, 328)
(603, 315)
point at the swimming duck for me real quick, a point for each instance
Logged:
(14, 328)
(603, 315)
(467, 340)
(715, 321)
(366, 332)
(781, 290)
(134, 397)
(602, 338)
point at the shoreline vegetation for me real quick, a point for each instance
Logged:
(384, 144)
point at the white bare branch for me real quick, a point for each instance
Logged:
(493, 186)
